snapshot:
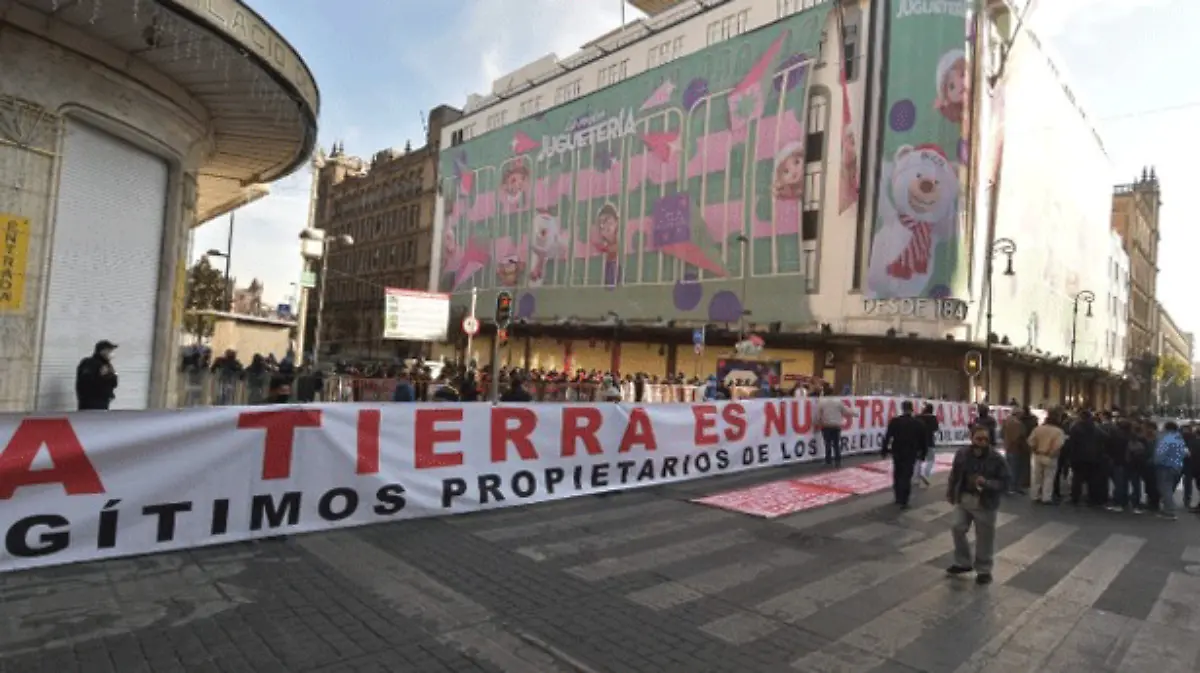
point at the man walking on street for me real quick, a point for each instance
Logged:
(906, 440)
(977, 478)
(831, 413)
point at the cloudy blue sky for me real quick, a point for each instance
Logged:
(379, 63)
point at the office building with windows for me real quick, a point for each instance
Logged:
(385, 205)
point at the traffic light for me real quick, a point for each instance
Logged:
(502, 335)
(504, 302)
(973, 364)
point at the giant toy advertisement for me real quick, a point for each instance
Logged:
(918, 246)
(685, 191)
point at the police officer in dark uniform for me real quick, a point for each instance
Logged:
(95, 378)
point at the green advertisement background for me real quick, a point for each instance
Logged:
(921, 34)
(776, 289)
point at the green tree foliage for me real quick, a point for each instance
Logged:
(1173, 370)
(206, 291)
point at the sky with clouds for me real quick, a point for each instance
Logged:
(380, 63)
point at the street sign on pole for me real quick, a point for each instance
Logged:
(698, 336)
(470, 326)
(308, 279)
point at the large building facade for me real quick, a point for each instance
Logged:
(801, 170)
(1066, 294)
(1135, 217)
(122, 127)
(386, 206)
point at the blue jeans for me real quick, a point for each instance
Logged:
(1168, 480)
(833, 445)
(1120, 481)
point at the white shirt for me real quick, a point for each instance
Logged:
(831, 412)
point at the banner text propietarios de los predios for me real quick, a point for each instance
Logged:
(85, 486)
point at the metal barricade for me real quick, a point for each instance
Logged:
(202, 388)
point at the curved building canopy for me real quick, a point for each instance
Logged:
(217, 59)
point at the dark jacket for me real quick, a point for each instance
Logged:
(1085, 443)
(991, 466)
(931, 426)
(516, 394)
(95, 383)
(907, 437)
(1116, 445)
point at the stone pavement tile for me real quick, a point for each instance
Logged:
(1135, 589)
(284, 615)
(1030, 639)
(1096, 645)
(1163, 649)
(931, 600)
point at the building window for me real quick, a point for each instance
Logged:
(729, 26)
(569, 91)
(849, 49)
(497, 119)
(664, 52)
(531, 106)
(818, 117)
(612, 74)
(788, 7)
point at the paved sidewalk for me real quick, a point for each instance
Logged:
(643, 581)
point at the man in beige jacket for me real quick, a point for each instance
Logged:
(1046, 442)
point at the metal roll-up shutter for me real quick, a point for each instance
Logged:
(104, 265)
(1016, 387)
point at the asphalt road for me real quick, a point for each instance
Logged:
(643, 581)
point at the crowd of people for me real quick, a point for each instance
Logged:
(1107, 461)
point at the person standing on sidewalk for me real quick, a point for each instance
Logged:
(1016, 452)
(977, 478)
(929, 418)
(1169, 456)
(831, 413)
(905, 440)
(1045, 443)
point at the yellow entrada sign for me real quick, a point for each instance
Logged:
(14, 256)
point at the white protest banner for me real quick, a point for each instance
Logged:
(92, 485)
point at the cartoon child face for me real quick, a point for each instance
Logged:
(955, 85)
(515, 181)
(607, 224)
(789, 173)
(508, 271)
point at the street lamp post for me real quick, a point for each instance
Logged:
(228, 255)
(344, 239)
(1008, 248)
(744, 244)
(1087, 297)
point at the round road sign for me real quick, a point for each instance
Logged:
(470, 325)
